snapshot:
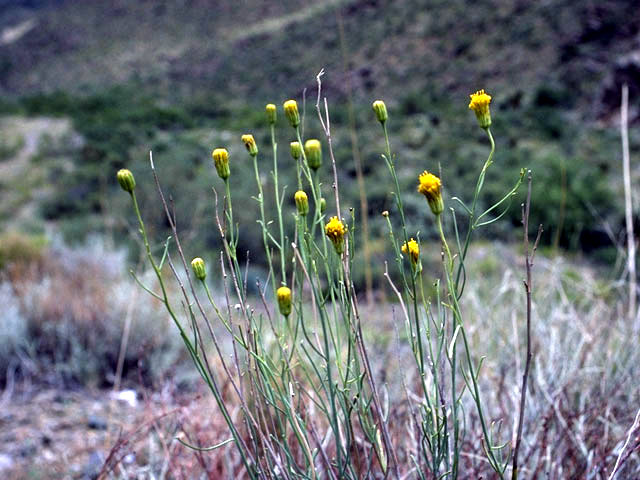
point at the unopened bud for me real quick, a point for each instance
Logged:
(291, 111)
(271, 113)
(323, 205)
(126, 180)
(284, 300)
(221, 161)
(197, 264)
(313, 152)
(381, 111)
(250, 143)
(296, 150)
(302, 202)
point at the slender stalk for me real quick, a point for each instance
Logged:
(472, 370)
(472, 215)
(528, 261)
(263, 226)
(278, 205)
(628, 205)
(242, 448)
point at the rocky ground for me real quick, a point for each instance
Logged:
(64, 434)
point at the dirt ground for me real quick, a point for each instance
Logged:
(62, 434)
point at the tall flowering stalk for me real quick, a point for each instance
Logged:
(309, 404)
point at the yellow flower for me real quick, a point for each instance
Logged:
(302, 202)
(431, 187)
(480, 105)
(271, 113)
(291, 111)
(412, 250)
(221, 161)
(284, 300)
(250, 143)
(335, 230)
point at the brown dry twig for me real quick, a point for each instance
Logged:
(529, 255)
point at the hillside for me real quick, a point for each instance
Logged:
(183, 77)
(259, 48)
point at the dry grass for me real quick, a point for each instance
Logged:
(583, 389)
(71, 304)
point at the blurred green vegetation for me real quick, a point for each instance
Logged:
(572, 187)
(20, 248)
(182, 81)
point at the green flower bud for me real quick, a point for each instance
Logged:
(291, 111)
(197, 264)
(381, 111)
(250, 143)
(296, 150)
(284, 300)
(126, 180)
(221, 161)
(271, 113)
(323, 205)
(313, 152)
(302, 202)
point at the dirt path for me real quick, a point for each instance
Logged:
(15, 172)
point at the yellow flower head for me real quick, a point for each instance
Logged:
(271, 113)
(431, 187)
(250, 143)
(412, 250)
(302, 202)
(291, 111)
(221, 161)
(284, 300)
(335, 230)
(480, 105)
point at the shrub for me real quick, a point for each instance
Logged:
(66, 319)
(19, 248)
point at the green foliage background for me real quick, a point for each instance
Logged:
(183, 79)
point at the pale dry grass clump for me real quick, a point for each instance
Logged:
(583, 392)
(66, 313)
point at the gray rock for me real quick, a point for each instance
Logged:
(96, 423)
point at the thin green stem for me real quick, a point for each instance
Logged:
(455, 307)
(242, 448)
(263, 225)
(472, 215)
(278, 205)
